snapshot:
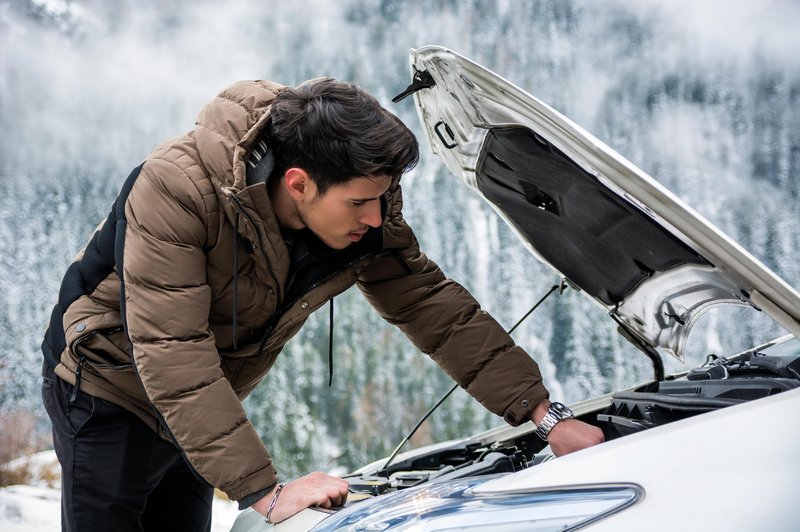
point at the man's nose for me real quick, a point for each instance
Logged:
(371, 215)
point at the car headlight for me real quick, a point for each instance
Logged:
(456, 506)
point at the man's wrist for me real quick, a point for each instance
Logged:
(249, 500)
(538, 413)
(262, 503)
(273, 502)
(555, 414)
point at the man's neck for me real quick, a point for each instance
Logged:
(283, 205)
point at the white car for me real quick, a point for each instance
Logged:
(714, 448)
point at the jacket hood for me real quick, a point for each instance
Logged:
(228, 125)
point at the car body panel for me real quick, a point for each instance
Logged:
(688, 266)
(727, 449)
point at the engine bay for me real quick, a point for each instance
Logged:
(720, 382)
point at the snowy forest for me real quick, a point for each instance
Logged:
(704, 96)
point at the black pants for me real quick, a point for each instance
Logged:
(117, 474)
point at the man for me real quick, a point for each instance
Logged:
(215, 252)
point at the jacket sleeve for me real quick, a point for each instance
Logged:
(444, 321)
(166, 309)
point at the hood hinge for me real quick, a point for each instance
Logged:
(647, 349)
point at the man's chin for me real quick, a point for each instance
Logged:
(337, 244)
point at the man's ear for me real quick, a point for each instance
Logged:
(298, 183)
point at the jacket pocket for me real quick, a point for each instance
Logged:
(103, 353)
(103, 349)
(102, 357)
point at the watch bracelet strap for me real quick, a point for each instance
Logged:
(555, 413)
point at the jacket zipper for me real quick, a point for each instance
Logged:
(312, 286)
(74, 394)
(238, 204)
(274, 321)
(324, 280)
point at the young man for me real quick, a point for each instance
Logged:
(216, 251)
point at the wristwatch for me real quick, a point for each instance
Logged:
(555, 413)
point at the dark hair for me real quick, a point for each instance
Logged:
(336, 131)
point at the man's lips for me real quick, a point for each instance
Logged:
(355, 236)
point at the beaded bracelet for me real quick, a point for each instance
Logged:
(273, 502)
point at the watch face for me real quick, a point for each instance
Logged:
(562, 411)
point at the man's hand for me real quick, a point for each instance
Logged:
(568, 435)
(315, 489)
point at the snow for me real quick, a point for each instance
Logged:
(35, 507)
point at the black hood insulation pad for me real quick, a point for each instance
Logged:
(599, 241)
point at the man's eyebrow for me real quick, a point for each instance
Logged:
(365, 199)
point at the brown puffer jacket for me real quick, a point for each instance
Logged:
(161, 342)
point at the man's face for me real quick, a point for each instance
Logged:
(343, 214)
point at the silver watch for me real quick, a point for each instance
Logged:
(555, 413)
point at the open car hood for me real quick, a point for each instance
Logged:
(652, 262)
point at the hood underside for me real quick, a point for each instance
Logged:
(610, 229)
